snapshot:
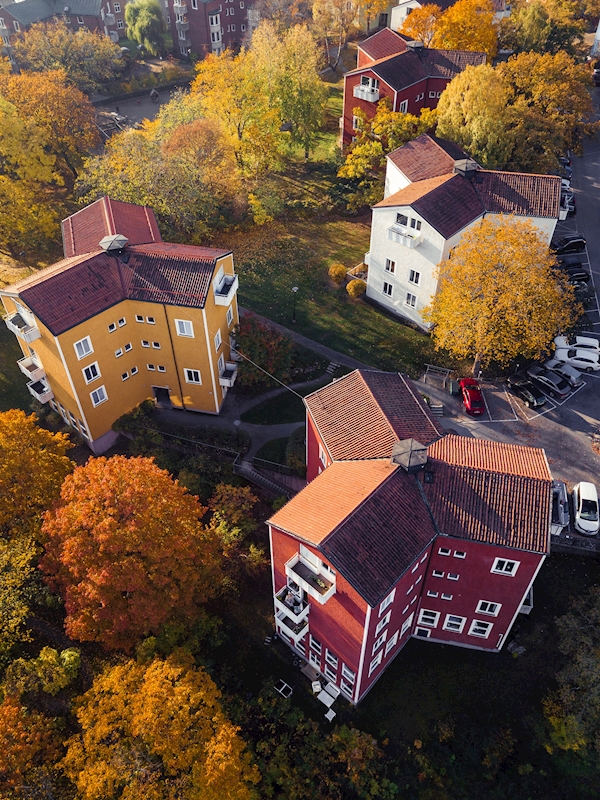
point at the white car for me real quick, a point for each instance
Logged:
(585, 503)
(580, 340)
(585, 360)
(570, 374)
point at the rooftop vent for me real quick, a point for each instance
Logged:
(416, 47)
(410, 455)
(114, 243)
(466, 167)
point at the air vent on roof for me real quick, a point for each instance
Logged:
(466, 167)
(115, 242)
(416, 47)
(409, 454)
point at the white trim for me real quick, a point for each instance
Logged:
(484, 624)
(512, 622)
(210, 360)
(448, 621)
(405, 626)
(392, 643)
(496, 571)
(98, 375)
(363, 650)
(479, 610)
(72, 385)
(387, 601)
(188, 322)
(79, 341)
(428, 623)
(382, 623)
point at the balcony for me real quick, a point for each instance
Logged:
(31, 369)
(225, 291)
(234, 355)
(367, 93)
(182, 25)
(185, 42)
(16, 324)
(179, 7)
(40, 390)
(294, 630)
(317, 585)
(289, 604)
(402, 236)
(109, 19)
(229, 374)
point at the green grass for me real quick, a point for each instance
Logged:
(274, 450)
(283, 409)
(13, 390)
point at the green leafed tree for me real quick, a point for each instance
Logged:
(146, 25)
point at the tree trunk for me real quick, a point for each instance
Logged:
(477, 365)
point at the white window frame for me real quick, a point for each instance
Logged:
(375, 662)
(112, 327)
(156, 345)
(422, 633)
(405, 626)
(415, 568)
(151, 320)
(480, 628)
(185, 327)
(348, 674)
(414, 277)
(444, 551)
(387, 602)
(118, 352)
(229, 316)
(382, 623)
(150, 367)
(125, 376)
(314, 659)
(488, 607)
(446, 596)
(454, 623)
(432, 594)
(145, 342)
(100, 396)
(403, 107)
(500, 564)
(87, 342)
(390, 266)
(134, 370)
(431, 95)
(330, 658)
(428, 618)
(161, 369)
(409, 590)
(195, 5)
(218, 341)
(127, 348)
(189, 375)
(453, 576)
(406, 607)
(17, 26)
(437, 573)
(347, 689)
(424, 558)
(121, 322)
(95, 365)
(392, 642)
(460, 554)
(322, 455)
(139, 317)
(378, 642)
(388, 289)
(315, 644)
(329, 673)
(411, 300)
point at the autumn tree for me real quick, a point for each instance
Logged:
(88, 58)
(126, 550)
(157, 731)
(369, 10)
(284, 13)
(500, 295)
(266, 352)
(49, 672)
(234, 505)
(422, 22)
(333, 21)
(378, 136)
(544, 26)
(468, 25)
(146, 24)
(16, 570)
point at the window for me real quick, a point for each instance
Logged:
(17, 27)
(195, 5)
(345, 687)
(403, 107)
(215, 36)
(145, 343)
(388, 289)
(83, 429)
(379, 641)
(415, 568)
(460, 554)
(454, 623)
(422, 633)
(391, 642)
(322, 455)
(300, 647)
(387, 602)
(446, 596)
(83, 347)
(383, 622)
(243, 27)
(482, 629)
(453, 576)
(118, 352)
(390, 266)
(438, 94)
(424, 558)
(162, 369)
(121, 322)
(405, 609)
(98, 396)
(502, 566)
(221, 364)
(369, 83)
(402, 219)
(120, 23)
(91, 372)
(214, 20)
(419, 579)
(184, 327)
(375, 663)
(117, 7)
(415, 224)
(124, 376)
(112, 327)
(414, 600)
(152, 321)
(241, 5)
(330, 673)
(486, 607)
(405, 626)
(139, 318)
(217, 340)
(429, 618)
(356, 123)
(314, 659)
(134, 370)
(432, 594)
(331, 659)
(444, 551)
(431, 95)
(156, 345)
(315, 645)
(411, 300)
(348, 674)
(414, 277)
(229, 316)
(128, 347)
(437, 573)
(410, 590)
(150, 367)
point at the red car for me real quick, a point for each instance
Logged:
(471, 396)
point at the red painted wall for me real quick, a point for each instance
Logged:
(314, 465)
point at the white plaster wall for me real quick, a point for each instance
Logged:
(400, 12)
(394, 179)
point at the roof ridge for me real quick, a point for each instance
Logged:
(376, 401)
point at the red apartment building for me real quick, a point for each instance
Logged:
(201, 27)
(410, 75)
(402, 531)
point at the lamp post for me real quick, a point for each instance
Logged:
(237, 423)
(294, 291)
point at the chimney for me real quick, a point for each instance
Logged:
(467, 167)
(410, 455)
(113, 243)
(416, 47)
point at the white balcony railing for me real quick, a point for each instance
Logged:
(318, 585)
(19, 326)
(293, 630)
(179, 7)
(228, 376)
(367, 93)
(31, 369)
(41, 391)
(226, 290)
(402, 236)
(286, 602)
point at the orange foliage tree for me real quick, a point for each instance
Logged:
(157, 731)
(126, 549)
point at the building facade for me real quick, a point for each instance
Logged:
(439, 538)
(200, 27)
(125, 317)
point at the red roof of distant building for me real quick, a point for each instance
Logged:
(382, 44)
(83, 231)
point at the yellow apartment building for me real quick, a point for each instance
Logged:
(123, 318)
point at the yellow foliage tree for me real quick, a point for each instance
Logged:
(421, 24)
(468, 25)
(16, 569)
(158, 732)
(500, 296)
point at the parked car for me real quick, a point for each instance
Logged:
(549, 382)
(471, 396)
(584, 360)
(569, 244)
(579, 341)
(565, 371)
(560, 507)
(527, 391)
(575, 272)
(571, 259)
(585, 506)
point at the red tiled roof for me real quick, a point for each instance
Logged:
(510, 459)
(382, 44)
(426, 157)
(363, 414)
(413, 192)
(519, 193)
(83, 231)
(78, 288)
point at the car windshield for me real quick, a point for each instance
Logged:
(477, 403)
(589, 510)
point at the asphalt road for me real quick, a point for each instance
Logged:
(137, 108)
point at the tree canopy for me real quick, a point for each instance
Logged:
(263, 344)
(146, 24)
(126, 550)
(545, 26)
(465, 25)
(499, 295)
(422, 22)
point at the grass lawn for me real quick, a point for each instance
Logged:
(13, 390)
(284, 408)
(274, 450)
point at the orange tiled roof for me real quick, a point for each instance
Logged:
(512, 459)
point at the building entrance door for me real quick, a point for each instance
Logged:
(161, 395)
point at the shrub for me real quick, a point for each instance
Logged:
(295, 451)
(355, 288)
(337, 273)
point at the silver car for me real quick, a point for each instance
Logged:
(566, 371)
(549, 382)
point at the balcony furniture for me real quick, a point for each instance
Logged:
(284, 689)
(329, 715)
(316, 686)
(327, 699)
(333, 690)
